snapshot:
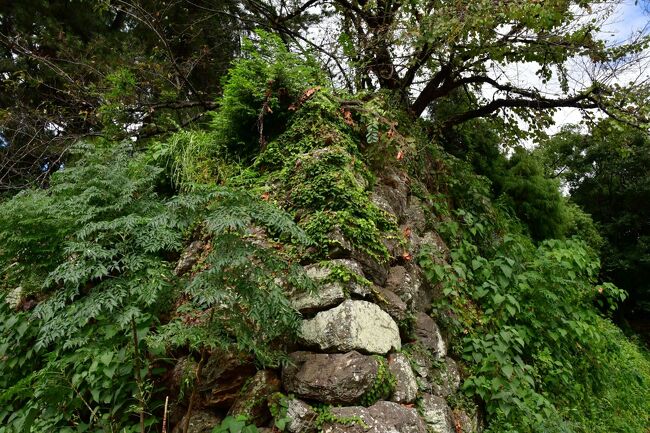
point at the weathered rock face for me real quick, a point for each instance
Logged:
(200, 422)
(436, 414)
(446, 379)
(414, 216)
(301, 417)
(222, 377)
(353, 325)
(467, 423)
(327, 295)
(390, 303)
(330, 378)
(375, 270)
(428, 335)
(189, 258)
(406, 387)
(349, 331)
(382, 417)
(252, 398)
(407, 283)
(429, 371)
(393, 188)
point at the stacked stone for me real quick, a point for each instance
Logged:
(350, 340)
(349, 325)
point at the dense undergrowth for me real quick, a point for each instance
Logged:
(93, 310)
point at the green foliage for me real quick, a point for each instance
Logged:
(192, 158)
(519, 180)
(237, 424)
(100, 67)
(258, 92)
(92, 253)
(606, 171)
(239, 298)
(278, 406)
(325, 416)
(90, 250)
(535, 198)
(530, 331)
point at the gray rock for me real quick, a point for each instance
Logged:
(393, 188)
(381, 203)
(200, 422)
(424, 366)
(374, 269)
(406, 387)
(189, 258)
(408, 284)
(330, 378)
(436, 414)
(330, 293)
(414, 216)
(252, 398)
(339, 245)
(382, 417)
(301, 417)
(445, 380)
(354, 286)
(390, 303)
(428, 335)
(326, 296)
(353, 325)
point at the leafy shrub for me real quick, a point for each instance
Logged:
(258, 91)
(538, 349)
(92, 257)
(90, 253)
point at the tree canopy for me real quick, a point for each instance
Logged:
(606, 172)
(141, 68)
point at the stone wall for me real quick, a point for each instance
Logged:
(370, 357)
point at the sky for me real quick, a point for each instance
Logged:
(631, 16)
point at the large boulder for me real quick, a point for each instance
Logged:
(330, 378)
(353, 325)
(252, 399)
(382, 417)
(436, 414)
(406, 387)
